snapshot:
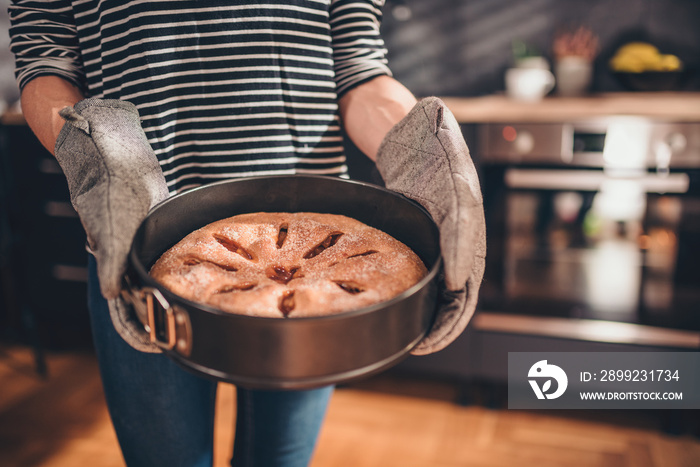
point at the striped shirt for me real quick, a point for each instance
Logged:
(224, 88)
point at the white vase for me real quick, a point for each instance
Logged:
(574, 75)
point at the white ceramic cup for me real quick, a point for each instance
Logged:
(528, 84)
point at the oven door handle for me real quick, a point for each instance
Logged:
(591, 180)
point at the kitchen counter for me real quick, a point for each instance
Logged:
(12, 117)
(673, 106)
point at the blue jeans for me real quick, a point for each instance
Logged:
(164, 415)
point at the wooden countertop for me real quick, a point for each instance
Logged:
(12, 117)
(672, 106)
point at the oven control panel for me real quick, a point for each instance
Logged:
(625, 142)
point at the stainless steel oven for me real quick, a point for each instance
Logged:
(593, 235)
(593, 230)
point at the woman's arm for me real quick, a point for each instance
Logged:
(42, 98)
(48, 63)
(371, 109)
(371, 102)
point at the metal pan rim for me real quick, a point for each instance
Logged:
(429, 277)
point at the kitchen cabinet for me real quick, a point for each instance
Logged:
(45, 273)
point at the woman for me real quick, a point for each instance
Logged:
(141, 100)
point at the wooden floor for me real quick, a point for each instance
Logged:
(387, 421)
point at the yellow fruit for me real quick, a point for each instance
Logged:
(638, 57)
(641, 49)
(669, 63)
(627, 63)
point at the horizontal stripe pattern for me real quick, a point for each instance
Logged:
(224, 89)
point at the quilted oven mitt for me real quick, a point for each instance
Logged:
(425, 158)
(114, 179)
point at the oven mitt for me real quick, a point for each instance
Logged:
(114, 179)
(425, 158)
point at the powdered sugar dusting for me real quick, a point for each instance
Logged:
(371, 265)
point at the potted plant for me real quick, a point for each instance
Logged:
(574, 52)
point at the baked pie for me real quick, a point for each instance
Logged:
(288, 265)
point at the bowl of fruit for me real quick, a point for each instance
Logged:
(641, 66)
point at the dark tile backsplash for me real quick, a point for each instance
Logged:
(462, 47)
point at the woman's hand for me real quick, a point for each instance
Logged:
(114, 179)
(425, 157)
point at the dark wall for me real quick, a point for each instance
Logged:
(462, 47)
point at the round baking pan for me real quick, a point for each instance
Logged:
(279, 353)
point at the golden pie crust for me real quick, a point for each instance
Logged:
(288, 265)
